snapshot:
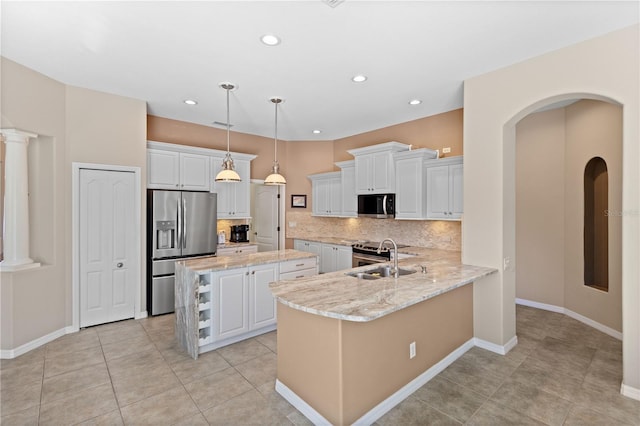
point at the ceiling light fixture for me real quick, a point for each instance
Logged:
(415, 102)
(275, 178)
(317, 132)
(190, 102)
(270, 40)
(228, 173)
(359, 78)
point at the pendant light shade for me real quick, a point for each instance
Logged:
(275, 178)
(228, 173)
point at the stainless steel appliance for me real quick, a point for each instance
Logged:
(180, 224)
(239, 234)
(381, 206)
(366, 253)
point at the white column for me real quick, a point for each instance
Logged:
(16, 202)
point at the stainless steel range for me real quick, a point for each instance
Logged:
(366, 253)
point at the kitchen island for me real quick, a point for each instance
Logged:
(221, 300)
(350, 349)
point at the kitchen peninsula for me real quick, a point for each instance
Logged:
(349, 349)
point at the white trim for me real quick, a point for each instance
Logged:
(501, 350)
(75, 234)
(379, 410)
(629, 392)
(538, 305)
(300, 404)
(29, 346)
(588, 321)
(141, 315)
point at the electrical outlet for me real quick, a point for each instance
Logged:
(412, 350)
(446, 150)
(292, 224)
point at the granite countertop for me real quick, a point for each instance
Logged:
(337, 295)
(228, 244)
(213, 263)
(332, 240)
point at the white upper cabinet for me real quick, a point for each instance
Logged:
(444, 188)
(349, 196)
(233, 198)
(177, 170)
(182, 167)
(375, 169)
(411, 198)
(326, 194)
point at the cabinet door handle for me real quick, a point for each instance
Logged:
(119, 265)
(299, 264)
(253, 272)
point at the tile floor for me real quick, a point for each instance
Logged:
(131, 372)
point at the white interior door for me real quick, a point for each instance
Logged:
(265, 217)
(107, 246)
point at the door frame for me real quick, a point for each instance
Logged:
(281, 211)
(75, 236)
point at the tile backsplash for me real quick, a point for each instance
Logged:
(439, 234)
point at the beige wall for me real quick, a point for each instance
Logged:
(434, 132)
(540, 207)
(603, 68)
(552, 149)
(594, 129)
(74, 125)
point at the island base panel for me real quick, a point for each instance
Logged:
(343, 369)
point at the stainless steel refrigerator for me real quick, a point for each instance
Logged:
(180, 224)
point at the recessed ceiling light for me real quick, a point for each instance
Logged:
(270, 40)
(317, 132)
(359, 78)
(415, 102)
(190, 102)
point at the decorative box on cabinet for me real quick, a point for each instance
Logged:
(411, 197)
(374, 167)
(233, 197)
(177, 170)
(445, 188)
(326, 193)
(348, 186)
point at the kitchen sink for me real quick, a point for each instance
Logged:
(379, 272)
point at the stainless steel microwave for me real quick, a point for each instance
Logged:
(381, 206)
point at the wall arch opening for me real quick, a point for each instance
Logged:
(596, 224)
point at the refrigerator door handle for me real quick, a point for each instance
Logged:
(184, 223)
(179, 214)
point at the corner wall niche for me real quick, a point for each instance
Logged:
(596, 224)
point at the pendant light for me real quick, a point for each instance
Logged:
(275, 178)
(228, 173)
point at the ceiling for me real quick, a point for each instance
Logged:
(165, 52)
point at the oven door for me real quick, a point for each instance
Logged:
(359, 259)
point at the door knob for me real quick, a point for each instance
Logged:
(119, 265)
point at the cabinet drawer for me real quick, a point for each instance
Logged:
(298, 264)
(298, 274)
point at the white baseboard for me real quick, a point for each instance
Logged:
(379, 410)
(141, 315)
(629, 392)
(29, 346)
(588, 321)
(500, 350)
(538, 305)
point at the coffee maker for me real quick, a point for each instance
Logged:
(239, 234)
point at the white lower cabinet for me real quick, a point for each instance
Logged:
(236, 304)
(231, 303)
(308, 246)
(333, 257)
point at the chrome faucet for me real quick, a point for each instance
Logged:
(395, 255)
